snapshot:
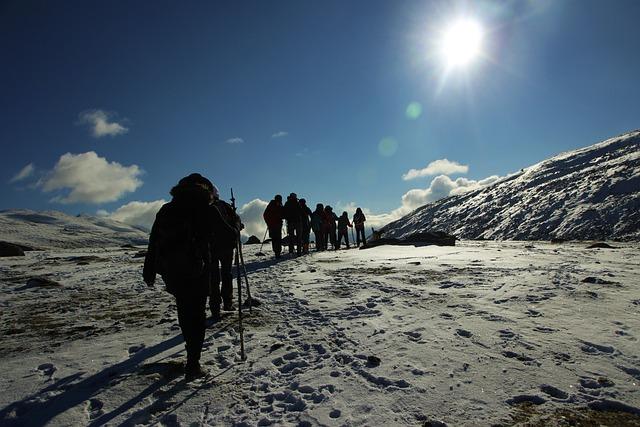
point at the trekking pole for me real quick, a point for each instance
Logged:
(263, 237)
(246, 279)
(353, 238)
(244, 268)
(240, 327)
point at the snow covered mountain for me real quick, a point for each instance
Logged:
(53, 229)
(586, 194)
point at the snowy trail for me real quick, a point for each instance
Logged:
(385, 336)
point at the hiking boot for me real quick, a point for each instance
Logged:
(193, 371)
(215, 311)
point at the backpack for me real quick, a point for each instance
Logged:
(181, 252)
(226, 234)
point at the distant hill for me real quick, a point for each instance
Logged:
(586, 194)
(53, 229)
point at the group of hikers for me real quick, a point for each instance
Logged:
(327, 227)
(192, 245)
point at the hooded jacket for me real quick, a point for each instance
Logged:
(188, 210)
(273, 214)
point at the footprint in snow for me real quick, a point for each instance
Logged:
(591, 348)
(47, 369)
(463, 333)
(594, 384)
(526, 398)
(635, 373)
(413, 335)
(336, 413)
(506, 334)
(521, 357)
(554, 392)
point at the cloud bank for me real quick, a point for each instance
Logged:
(440, 187)
(139, 214)
(90, 179)
(251, 215)
(100, 124)
(24, 173)
(437, 167)
(235, 140)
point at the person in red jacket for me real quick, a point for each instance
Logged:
(273, 216)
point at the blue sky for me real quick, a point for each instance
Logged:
(279, 96)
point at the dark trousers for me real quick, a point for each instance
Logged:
(360, 232)
(221, 273)
(342, 233)
(330, 236)
(319, 239)
(192, 321)
(294, 232)
(276, 239)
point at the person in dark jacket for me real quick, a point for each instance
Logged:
(343, 231)
(316, 226)
(273, 216)
(305, 225)
(293, 215)
(179, 250)
(358, 223)
(329, 226)
(227, 226)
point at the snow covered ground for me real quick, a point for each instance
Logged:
(478, 334)
(54, 229)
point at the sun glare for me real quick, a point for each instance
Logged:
(461, 42)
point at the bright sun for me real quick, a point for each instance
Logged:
(461, 42)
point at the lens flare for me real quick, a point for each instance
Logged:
(414, 110)
(387, 147)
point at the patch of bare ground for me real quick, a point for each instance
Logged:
(531, 415)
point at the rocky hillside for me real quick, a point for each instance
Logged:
(586, 194)
(52, 229)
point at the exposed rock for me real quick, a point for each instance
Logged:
(9, 249)
(601, 245)
(85, 259)
(438, 238)
(252, 240)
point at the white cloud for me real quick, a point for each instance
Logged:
(280, 134)
(90, 179)
(140, 214)
(437, 167)
(24, 173)
(235, 140)
(100, 124)
(441, 186)
(251, 215)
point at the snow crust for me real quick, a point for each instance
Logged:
(53, 229)
(590, 193)
(385, 336)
